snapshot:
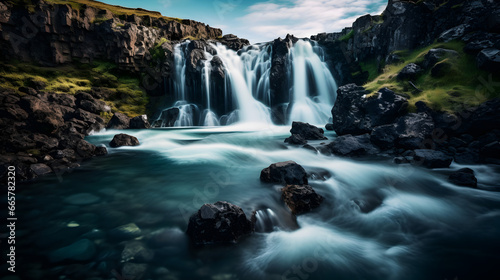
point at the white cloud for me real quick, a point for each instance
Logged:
(302, 18)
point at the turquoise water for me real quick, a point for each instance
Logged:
(420, 227)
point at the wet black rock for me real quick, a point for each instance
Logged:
(413, 129)
(124, 140)
(348, 145)
(221, 222)
(169, 116)
(118, 121)
(300, 198)
(355, 114)
(307, 131)
(139, 122)
(296, 139)
(329, 126)
(288, 172)
(384, 136)
(432, 158)
(463, 177)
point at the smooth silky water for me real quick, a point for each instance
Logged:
(412, 223)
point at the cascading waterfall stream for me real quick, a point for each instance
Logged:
(303, 107)
(247, 86)
(250, 109)
(210, 119)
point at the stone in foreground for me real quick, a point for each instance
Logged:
(307, 131)
(123, 140)
(463, 177)
(287, 172)
(300, 198)
(432, 159)
(221, 222)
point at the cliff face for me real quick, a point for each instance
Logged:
(406, 25)
(52, 34)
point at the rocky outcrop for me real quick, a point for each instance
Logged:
(44, 132)
(354, 113)
(279, 82)
(300, 198)
(233, 42)
(221, 222)
(59, 33)
(122, 139)
(287, 172)
(429, 138)
(407, 25)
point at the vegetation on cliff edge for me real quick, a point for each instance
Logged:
(460, 83)
(124, 93)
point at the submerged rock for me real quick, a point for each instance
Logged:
(137, 251)
(221, 222)
(81, 250)
(463, 177)
(124, 232)
(307, 131)
(134, 271)
(82, 199)
(287, 172)
(300, 198)
(124, 140)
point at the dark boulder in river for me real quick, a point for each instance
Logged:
(307, 131)
(300, 198)
(463, 177)
(287, 172)
(221, 222)
(432, 159)
(124, 140)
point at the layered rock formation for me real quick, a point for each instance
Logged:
(408, 25)
(44, 132)
(52, 34)
(368, 125)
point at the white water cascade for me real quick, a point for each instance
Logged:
(303, 106)
(247, 88)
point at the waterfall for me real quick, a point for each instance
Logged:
(250, 109)
(180, 70)
(306, 63)
(246, 89)
(210, 118)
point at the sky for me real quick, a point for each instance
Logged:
(265, 20)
